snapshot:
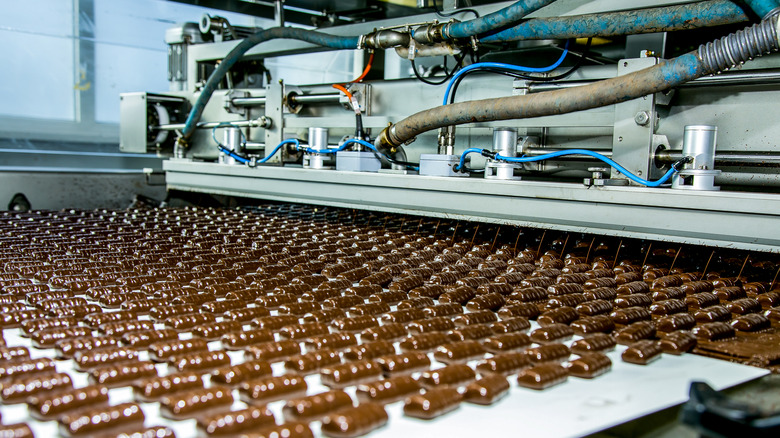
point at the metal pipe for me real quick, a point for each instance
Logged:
(663, 19)
(765, 77)
(262, 122)
(295, 99)
(720, 55)
(535, 152)
(744, 159)
(248, 101)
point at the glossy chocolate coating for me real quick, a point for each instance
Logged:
(240, 339)
(751, 323)
(315, 407)
(233, 375)
(634, 287)
(450, 375)
(552, 333)
(560, 315)
(194, 402)
(323, 316)
(423, 342)
(232, 423)
(447, 309)
(589, 365)
(669, 293)
(287, 430)
(214, 330)
(17, 390)
(642, 352)
(199, 361)
(13, 353)
(88, 359)
(477, 317)
(53, 405)
(542, 376)
(636, 300)
(601, 293)
(354, 324)
(404, 315)
(701, 300)
(302, 331)
(265, 390)
(491, 301)
(369, 350)
(33, 325)
(432, 324)
(352, 422)
(25, 367)
(47, 338)
(94, 421)
(636, 332)
(459, 352)
(246, 314)
(529, 294)
(470, 333)
(570, 300)
(350, 374)
(275, 322)
(678, 321)
(514, 310)
(511, 325)
(273, 351)
(385, 332)
(506, 342)
(712, 314)
(433, 403)
(678, 342)
(335, 341)
(311, 363)
(548, 353)
(165, 350)
(588, 325)
(503, 364)
(564, 288)
(388, 390)
(402, 364)
(152, 389)
(121, 374)
(744, 306)
(630, 315)
(486, 390)
(714, 331)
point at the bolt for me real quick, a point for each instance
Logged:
(642, 118)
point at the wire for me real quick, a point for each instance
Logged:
(366, 70)
(441, 13)
(344, 90)
(504, 67)
(279, 146)
(583, 56)
(343, 146)
(596, 155)
(447, 76)
(222, 148)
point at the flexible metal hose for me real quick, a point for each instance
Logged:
(717, 56)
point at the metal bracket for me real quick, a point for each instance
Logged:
(228, 103)
(361, 93)
(633, 144)
(274, 110)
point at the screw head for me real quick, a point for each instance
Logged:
(642, 118)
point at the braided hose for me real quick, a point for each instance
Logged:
(737, 48)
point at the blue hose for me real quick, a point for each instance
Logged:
(318, 38)
(502, 66)
(497, 20)
(279, 146)
(763, 7)
(551, 155)
(688, 16)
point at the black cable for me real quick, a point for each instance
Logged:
(447, 76)
(441, 13)
(518, 75)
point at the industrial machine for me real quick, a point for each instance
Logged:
(689, 137)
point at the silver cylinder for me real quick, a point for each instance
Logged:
(505, 141)
(232, 142)
(318, 140)
(699, 143)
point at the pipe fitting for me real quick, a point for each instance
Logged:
(384, 39)
(428, 34)
(742, 46)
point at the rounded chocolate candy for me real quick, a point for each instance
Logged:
(450, 375)
(642, 352)
(232, 423)
(94, 421)
(273, 351)
(589, 365)
(506, 342)
(18, 390)
(402, 364)
(677, 343)
(548, 353)
(514, 310)
(476, 317)
(164, 351)
(350, 374)
(195, 402)
(552, 333)
(434, 324)
(560, 315)
(354, 324)
(714, 331)
(424, 342)
(121, 374)
(503, 364)
(751, 322)
(233, 375)
(588, 325)
(630, 315)
(542, 376)
(315, 407)
(486, 390)
(678, 321)
(433, 403)
(152, 389)
(385, 332)
(463, 351)
(447, 309)
(388, 390)
(355, 421)
(237, 340)
(636, 332)
(53, 405)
